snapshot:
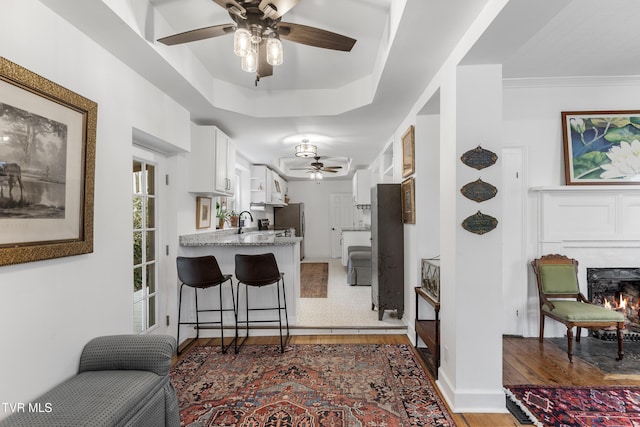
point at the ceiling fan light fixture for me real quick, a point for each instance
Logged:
(241, 42)
(306, 150)
(274, 51)
(249, 62)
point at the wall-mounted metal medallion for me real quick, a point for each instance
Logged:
(479, 223)
(479, 158)
(479, 191)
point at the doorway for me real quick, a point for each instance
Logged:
(341, 215)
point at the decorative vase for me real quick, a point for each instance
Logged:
(220, 222)
(234, 221)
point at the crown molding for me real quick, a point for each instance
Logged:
(573, 81)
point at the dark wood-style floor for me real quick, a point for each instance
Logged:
(525, 361)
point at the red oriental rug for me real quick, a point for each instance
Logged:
(578, 406)
(308, 385)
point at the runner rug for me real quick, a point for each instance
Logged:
(314, 277)
(308, 385)
(578, 406)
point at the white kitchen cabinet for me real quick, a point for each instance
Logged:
(362, 187)
(212, 161)
(267, 187)
(260, 184)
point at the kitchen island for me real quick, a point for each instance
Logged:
(224, 247)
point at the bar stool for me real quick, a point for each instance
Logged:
(203, 273)
(258, 271)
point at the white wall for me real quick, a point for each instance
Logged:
(315, 196)
(51, 308)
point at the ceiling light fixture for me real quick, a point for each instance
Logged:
(246, 45)
(306, 150)
(315, 175)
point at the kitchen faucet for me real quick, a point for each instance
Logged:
(241, 222)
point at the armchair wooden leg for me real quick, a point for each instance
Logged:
(578, 333)
(570, 344)
(541, 337)
(620, 340)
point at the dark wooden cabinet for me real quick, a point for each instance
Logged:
(429, 331)
(387, 249)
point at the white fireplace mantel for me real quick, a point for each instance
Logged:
(595, 215)
(598, 225)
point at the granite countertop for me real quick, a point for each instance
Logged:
(356, 228)
(254, 238)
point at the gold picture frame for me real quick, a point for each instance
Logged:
(408, 152)
(203, 212)
(46, 195)
(408, 201)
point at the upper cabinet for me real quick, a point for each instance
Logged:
(362, 187)
(212, 161)
(267, 187)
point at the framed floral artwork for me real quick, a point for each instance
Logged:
(601, 147)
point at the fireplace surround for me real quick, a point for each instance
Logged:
(617, 288)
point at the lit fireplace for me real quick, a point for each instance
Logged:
(617, 289)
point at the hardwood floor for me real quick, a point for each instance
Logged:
(525, 361)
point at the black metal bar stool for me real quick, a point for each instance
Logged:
(202, 273)
(258, 271)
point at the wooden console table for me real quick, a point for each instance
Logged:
(429, 331)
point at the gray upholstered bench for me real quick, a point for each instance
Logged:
(359, 265)
(123, 380)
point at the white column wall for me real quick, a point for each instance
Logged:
(471, 263)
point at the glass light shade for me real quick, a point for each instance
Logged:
(274, 51)
(249, 62)
(241, 42)
(306, 150)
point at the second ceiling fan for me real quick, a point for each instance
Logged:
(318, 166)
(257, 33)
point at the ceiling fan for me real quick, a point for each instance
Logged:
(257, 33)
(318, 166)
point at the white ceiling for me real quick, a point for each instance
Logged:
(350, 104)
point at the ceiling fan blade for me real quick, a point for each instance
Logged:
(329, 171)
(333, 167)
(300, 169)
(274, 9)
(264, 68)
(199, 34)
(312, 36)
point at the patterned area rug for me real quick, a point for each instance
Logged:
(578, 406)
(314, 277)
(308, 385)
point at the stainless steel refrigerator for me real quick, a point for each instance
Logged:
(291, 216)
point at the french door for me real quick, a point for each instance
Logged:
(147, 195)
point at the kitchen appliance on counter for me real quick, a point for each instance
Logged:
(291, 216)
(263, 224)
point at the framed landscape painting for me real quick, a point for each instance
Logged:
(47, 164)
(408, 152)
(601, 147)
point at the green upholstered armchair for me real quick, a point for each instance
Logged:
(561, 300)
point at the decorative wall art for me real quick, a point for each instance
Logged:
(479, 191)
(203, 212)
(408, 201)
(479, 158)
(479, 223)
(601, 147)
(431, 278)
(47, 166)
(408, 152)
